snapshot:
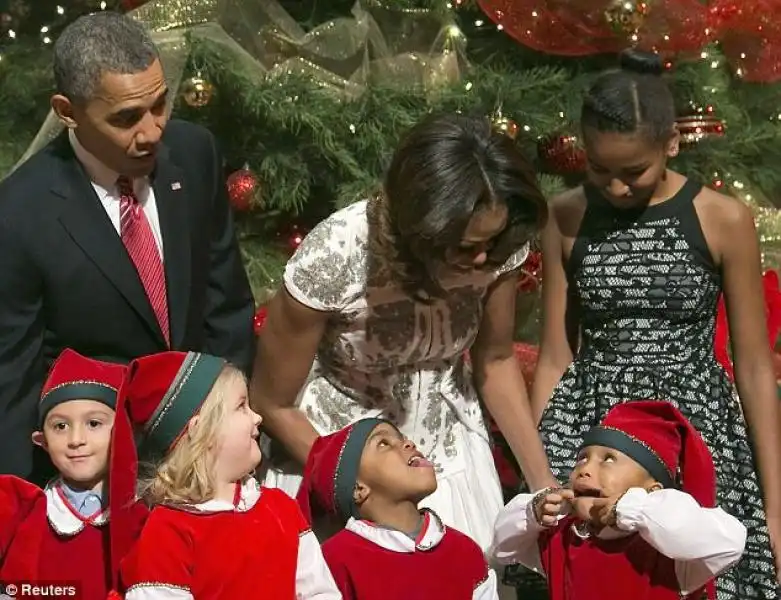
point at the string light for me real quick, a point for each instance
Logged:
(454, 31)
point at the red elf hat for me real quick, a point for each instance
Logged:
(159, 396)
(660, 439)
(76, 377)
(332, 469)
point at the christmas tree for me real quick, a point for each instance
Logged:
(309, 98)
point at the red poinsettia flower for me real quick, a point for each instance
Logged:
(770, 284)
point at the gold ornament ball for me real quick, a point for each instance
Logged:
(626, 16)
(197, 92)
(507, 126)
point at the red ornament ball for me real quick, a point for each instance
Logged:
(562, 153)
(243, 189)
(296, 236)
(259, 319)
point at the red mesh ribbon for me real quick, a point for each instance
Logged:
(750, 35)
(770, 284)
(128, 5)
(531, 273)
(582, 27)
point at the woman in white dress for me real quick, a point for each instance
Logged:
(381, 302)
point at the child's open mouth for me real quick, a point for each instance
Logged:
(419, 461)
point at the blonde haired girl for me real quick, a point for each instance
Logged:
(184, 475)
(213, 532)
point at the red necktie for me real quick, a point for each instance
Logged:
(140, 243)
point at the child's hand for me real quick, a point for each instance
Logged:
(550, 504)
(598, 511)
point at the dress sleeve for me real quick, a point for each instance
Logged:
(313, 578)
(487, 589)
(703, 542)
(340, 572)
(326, 267)
(515, 261)
(17, 499)
(159, 566)
(516, 535)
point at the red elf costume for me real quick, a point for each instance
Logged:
(666, 544)
(371, 562)
(44, 540)
(257, 545)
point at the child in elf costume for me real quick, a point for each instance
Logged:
(370, 476)
(638, 519)
(59, 535)
(214, 533)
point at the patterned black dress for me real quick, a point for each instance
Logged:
(646, 290)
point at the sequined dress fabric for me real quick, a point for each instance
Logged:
(384, 354)
(646, 289)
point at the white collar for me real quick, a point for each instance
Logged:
(63, 517)
(431, 534)
(99, 173)
(249, 494)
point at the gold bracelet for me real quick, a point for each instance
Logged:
(613, 514)
(538, 501)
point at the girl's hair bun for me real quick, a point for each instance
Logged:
(645, 63)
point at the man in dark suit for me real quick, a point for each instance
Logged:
(117, 238)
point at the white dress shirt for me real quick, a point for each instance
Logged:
(703, 542)
(104, 182)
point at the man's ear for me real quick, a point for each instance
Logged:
(63, 108)
(39, 439)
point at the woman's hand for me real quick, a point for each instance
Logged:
(500, 383)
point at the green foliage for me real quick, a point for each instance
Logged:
(314, 151)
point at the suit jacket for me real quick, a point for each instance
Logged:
(66, 279)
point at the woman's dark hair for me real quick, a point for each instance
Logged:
(634, 98)
(447, 168)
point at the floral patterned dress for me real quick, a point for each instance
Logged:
(384, 354)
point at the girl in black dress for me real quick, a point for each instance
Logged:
(634, 263)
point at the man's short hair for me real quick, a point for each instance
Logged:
(96, 44)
